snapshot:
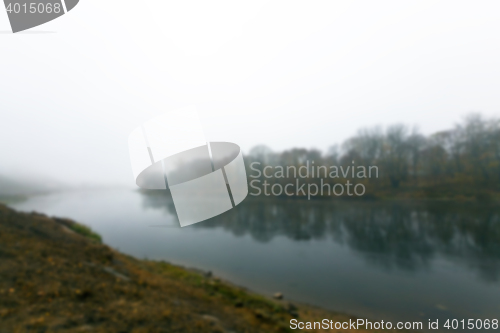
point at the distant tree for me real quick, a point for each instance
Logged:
(261, 153)
(466, 157)
(416, 143)
(395, 154)
(477, 144)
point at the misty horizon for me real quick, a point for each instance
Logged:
(19, 183)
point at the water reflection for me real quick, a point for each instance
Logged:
(394, 235)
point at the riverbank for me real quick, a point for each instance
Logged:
(56, 276)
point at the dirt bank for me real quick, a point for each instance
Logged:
(56, 276)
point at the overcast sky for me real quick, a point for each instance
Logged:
(286, 74)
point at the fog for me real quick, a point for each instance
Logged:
(287, 74)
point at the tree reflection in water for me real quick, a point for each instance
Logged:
(391, 235)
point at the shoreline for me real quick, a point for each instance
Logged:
(58, 276)
(369, 197)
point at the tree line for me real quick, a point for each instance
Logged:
(462, 162)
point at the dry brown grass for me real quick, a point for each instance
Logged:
(53, 279)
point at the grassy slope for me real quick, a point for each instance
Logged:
(55, 278)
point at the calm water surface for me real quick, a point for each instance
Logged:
(391, 261)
